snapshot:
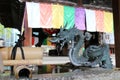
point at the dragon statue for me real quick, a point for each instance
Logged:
(91, 56)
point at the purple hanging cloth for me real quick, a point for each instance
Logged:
(80, 18)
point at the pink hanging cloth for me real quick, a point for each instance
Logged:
(45, 15)
(99, 20)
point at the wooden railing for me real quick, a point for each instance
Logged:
(112, 48)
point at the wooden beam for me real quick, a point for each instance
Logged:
(79, 3)
(52, 1)
(116, 16)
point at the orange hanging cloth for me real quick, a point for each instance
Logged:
(45, 15)
(99, 20)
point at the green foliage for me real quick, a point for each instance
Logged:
(8, 32)
(1, 30)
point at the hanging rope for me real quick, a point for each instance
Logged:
(18, 44)
(14, 50)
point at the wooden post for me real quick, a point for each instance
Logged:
(116, 15)
(27, 32)
(28, 37)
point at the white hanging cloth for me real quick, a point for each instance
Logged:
(90, 20)
(33, 14)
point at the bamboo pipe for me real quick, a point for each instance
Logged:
(22, 71)
(22, 62)
(1, 64)
(29, 52)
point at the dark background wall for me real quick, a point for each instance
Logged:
(11, 13)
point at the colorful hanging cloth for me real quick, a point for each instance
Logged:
(7, 36)
(14, 36)
(90, 20)
(69, 16)
(45, 15)
(57, 16)
(80, 18)
(108, 38)
(108, 21)
(1, 30)
(99, 20)
(33, 13)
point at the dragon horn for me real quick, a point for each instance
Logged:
(74, 26)
(61, 29)
(65, 26)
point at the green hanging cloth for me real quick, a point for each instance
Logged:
(69, 16)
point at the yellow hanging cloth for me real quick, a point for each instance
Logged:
(108, 22)
(57, 15)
